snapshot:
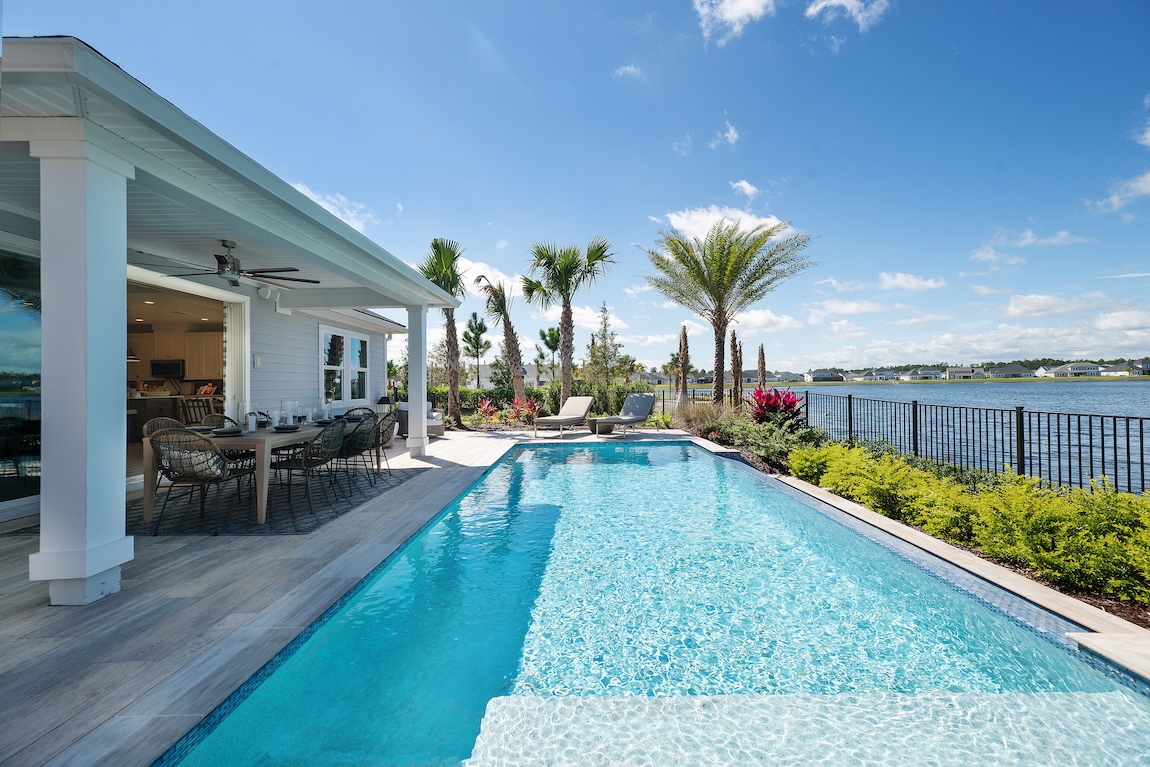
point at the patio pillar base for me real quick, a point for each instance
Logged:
(83, 591)
(416, 447)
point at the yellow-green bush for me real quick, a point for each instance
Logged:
(1094, 539)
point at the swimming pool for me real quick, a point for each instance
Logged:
(652, 604)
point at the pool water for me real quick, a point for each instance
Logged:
(653, 604)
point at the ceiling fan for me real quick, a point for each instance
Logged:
(228, 267)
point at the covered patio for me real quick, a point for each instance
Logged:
(103, 181)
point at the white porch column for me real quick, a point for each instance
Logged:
(417, 381)
(83, 252)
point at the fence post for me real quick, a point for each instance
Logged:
(850, 418)
(1019, 441)
(914, 427)
(807, 405)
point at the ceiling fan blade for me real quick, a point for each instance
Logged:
(276, 269)
(268, 282)
(192, 274)
(257, 275)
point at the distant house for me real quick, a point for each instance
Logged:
(1140, 367)
(785, 376)
(854, 375)
(822, 376)
(964, 373)
(1070, 370)
(655, 379)
(876, 374)
(1013, 370)
(1122, 369)
(922, 374)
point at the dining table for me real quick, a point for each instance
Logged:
(262, 442)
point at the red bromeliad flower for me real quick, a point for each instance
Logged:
(766, 403)
(525, 409)
(488, 409)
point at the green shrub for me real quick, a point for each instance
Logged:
(1094, 539)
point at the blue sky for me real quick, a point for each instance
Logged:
(975, 175)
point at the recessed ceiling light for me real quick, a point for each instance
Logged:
(149, 302)
(205, 319)
(139, 319)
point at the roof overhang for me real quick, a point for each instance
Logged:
(191, 188)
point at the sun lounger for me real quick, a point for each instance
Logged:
(636, 409)
(573, 413)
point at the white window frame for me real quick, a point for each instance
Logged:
(346, 368)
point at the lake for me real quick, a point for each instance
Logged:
(1116, 396)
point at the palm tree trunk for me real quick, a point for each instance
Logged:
(453, 409)
(514, 358)
(720, 361)
(566, 350)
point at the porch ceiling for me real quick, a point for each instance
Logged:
(191, 190)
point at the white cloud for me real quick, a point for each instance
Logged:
(473, 269)
(843, 286)
(1122, 321)
(695, 222)
(682, 147)
(764, 321)
(902, 281)
(746, 188)
(865, 14)
(399, 207)
(844, 329)
(1062, 237)
(586, 317)
(1123, 194)
(988, 254)
(1143, 137)
(655, 219)
(922, 318)
(819, 312)
(1130, 275)
(354, 214)
(986, 290)
(630, 71)
(635, 290)
(1035, 305)
(729, 136)
(728, 17)
(501, 244)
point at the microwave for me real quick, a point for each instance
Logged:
(167, 369)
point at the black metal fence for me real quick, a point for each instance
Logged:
(1062, 448)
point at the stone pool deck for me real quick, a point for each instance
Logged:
(118, 681)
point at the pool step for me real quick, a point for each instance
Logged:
(940, 729)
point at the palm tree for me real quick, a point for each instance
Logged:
(540, 360)
(556, 276)
(499, 310)
(684, 356)
(550, 339)
(474, 343)
(441, 266)
(725, 274)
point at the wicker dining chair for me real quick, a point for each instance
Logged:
(221, 421)
(195, 409)
(385, 436)
(356, 444)
(310, 457)
(159, 424)
(193, 460)
(364, 411)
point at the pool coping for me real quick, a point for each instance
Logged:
(1111, 638)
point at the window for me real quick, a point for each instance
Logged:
(343, 358)
(19, 376)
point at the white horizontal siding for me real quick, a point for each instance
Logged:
(288, 347)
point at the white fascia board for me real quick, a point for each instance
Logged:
(372, 323)
(81, 66)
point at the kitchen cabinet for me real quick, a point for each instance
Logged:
(168, 344)
(203, 356)
(143, 346)
(148, 408)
